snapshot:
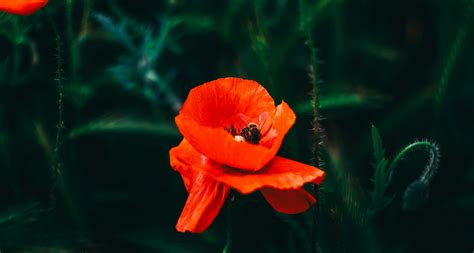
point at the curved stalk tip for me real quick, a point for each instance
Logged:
(417, 192)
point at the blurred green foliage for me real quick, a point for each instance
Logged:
(123, 68)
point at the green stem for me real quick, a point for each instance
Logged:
(73, 49)
(314, 80)
(57, 176)
(228, 241)
(314, 76)
(59, 134)
(307, 31)
(16, 61)
(454, 53)
(85, 19)
(430, 168)
(16, 50)
(163, 87)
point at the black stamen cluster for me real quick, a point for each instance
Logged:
(251, 133)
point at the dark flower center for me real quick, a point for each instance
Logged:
(250, 133)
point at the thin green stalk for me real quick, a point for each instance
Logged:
(228, 240)
(314, 81)
(307, 31)
(337, 55)
(170, 96)
(57, 165)
(16, 61)
(453, 55)
(416, 194)
(73, 48)
(57, 177)
(85, 19)
(160, 42)
(430, 168)
(16, 50)
(60, 126)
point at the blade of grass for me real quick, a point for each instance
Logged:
(124, 125)
(453, 55)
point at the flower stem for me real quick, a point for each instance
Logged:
(58, 180)
(430, 168)
(314, 75)
(453, 55)
(71, 39)
(228, 240)
(57, 164)
(16, 50)
(316, 137)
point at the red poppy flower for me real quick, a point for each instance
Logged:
(232, 132)
(21, 7)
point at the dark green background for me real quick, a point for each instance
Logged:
(404, 66)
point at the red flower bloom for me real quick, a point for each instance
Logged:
(21, 7)
(232, 132)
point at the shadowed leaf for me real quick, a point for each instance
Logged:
(380, 178)
(125, 126)
(342, 101)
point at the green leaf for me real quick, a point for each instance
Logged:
(126, 126)
(380, 179)
(20, 214)
(377, 146)
(342, 101)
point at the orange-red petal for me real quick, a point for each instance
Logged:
(220, 146)
(204, 202)
(288, 201)
(283, 121)
(279, 173)
(22, 7)
(182, 157)
(218, 103)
